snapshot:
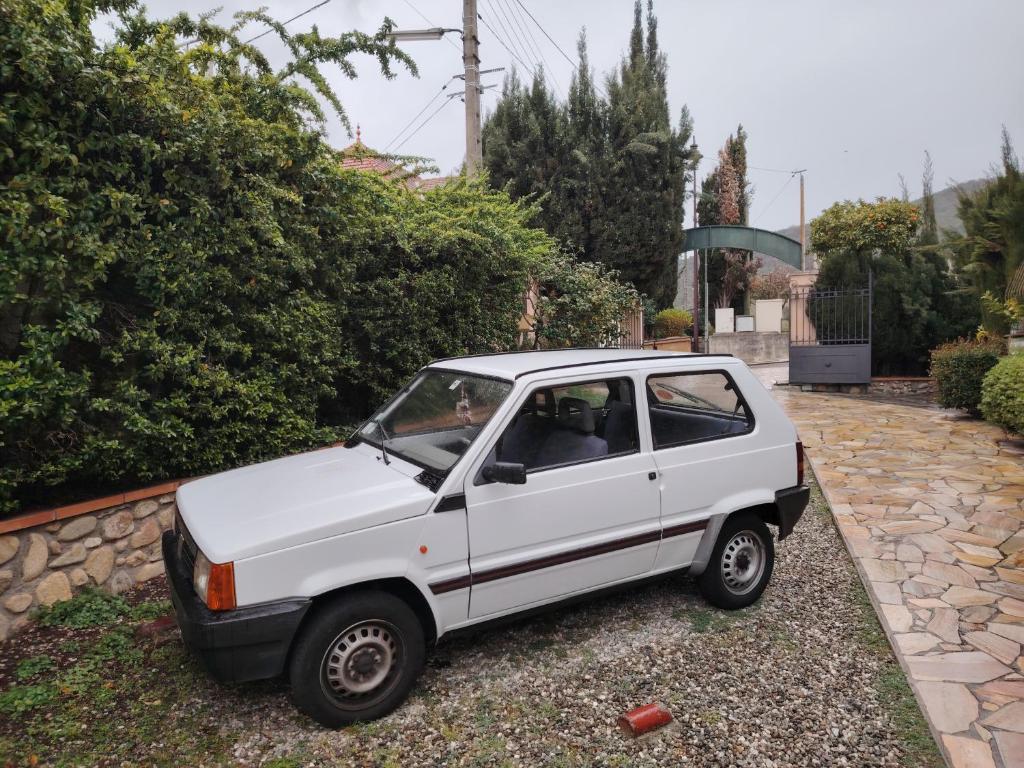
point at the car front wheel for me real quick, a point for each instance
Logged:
(741, 563)
(357, 658)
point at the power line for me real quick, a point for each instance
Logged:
(533, 41)
(777, 196)
(289, 21)
(512, 47)
(521, 44)
(551, 39)
(189, 43)
(417, 116)
(770, 170)
(433, 114)
(530, 44)
(575, 64)
(423, 16)
(511, 53)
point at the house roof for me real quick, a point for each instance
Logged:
(359, 157)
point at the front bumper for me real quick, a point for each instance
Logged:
(233, 646)
(791, 503)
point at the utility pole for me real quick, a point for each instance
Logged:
(803, 236)
(471, 63)
(695, 259)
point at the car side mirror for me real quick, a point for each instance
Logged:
(505, 472)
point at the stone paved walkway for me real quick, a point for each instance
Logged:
(933, 513)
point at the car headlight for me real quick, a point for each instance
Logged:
(201, 576)
(214, 583)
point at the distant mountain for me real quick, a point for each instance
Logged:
(945, 209)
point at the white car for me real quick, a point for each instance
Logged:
(489, 485)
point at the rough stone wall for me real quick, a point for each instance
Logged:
(887, 387)
(910, 386)
(114, 548)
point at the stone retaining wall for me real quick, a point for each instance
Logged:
(885, 387)
(752, 347)
(114, 547)
(903, 386)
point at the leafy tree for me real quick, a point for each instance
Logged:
(579, 304)
(609, 172)
(992, 249)
(911, 290)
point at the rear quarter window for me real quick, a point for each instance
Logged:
(695, 407)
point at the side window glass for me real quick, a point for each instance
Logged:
(557, 426)
(691, 407)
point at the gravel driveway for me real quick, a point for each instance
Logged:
(805, 677)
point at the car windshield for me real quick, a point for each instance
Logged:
(435, 418)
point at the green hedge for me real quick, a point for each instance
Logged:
(1002, 394)
(189, 281)
(959, 368)
(672, 322)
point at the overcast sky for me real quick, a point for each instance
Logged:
(853, 91)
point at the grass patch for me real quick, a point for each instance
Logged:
(894, 692)
(919, 748)
(90, 608)
(61, 712)
(33, 667)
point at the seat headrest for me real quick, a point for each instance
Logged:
(576, 413)
(549, 401)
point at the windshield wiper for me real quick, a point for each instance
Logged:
(384, 437)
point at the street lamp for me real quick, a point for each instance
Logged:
(411, 35)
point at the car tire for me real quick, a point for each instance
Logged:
(741, 563)
(357, 658)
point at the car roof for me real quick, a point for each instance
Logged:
(513, 365)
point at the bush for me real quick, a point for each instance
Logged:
(672, 322)
(1002, 394)
(959, 368)
(190, 282)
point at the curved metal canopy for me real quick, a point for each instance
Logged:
(744, 239)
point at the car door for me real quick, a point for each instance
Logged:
(586, 515)
(701, 430)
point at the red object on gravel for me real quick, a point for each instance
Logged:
(157, 626)
(644, 719)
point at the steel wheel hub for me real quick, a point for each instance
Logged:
(743, 562)
(361, 659)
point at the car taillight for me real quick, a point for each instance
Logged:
(799, 463)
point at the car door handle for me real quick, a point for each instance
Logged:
(652, 475)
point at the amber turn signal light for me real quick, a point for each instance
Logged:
(220, 594)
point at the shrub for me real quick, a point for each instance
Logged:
(91, 608)
(1002, 394)
(959, 368)
(672, 322)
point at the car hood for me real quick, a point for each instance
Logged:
(291, 501)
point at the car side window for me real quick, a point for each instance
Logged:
(558, 426)
(693, 407)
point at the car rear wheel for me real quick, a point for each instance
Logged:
(741, 563)
(357, 658)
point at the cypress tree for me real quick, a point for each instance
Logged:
(724, 199)
(610, 172)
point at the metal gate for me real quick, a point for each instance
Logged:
(830, 335)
